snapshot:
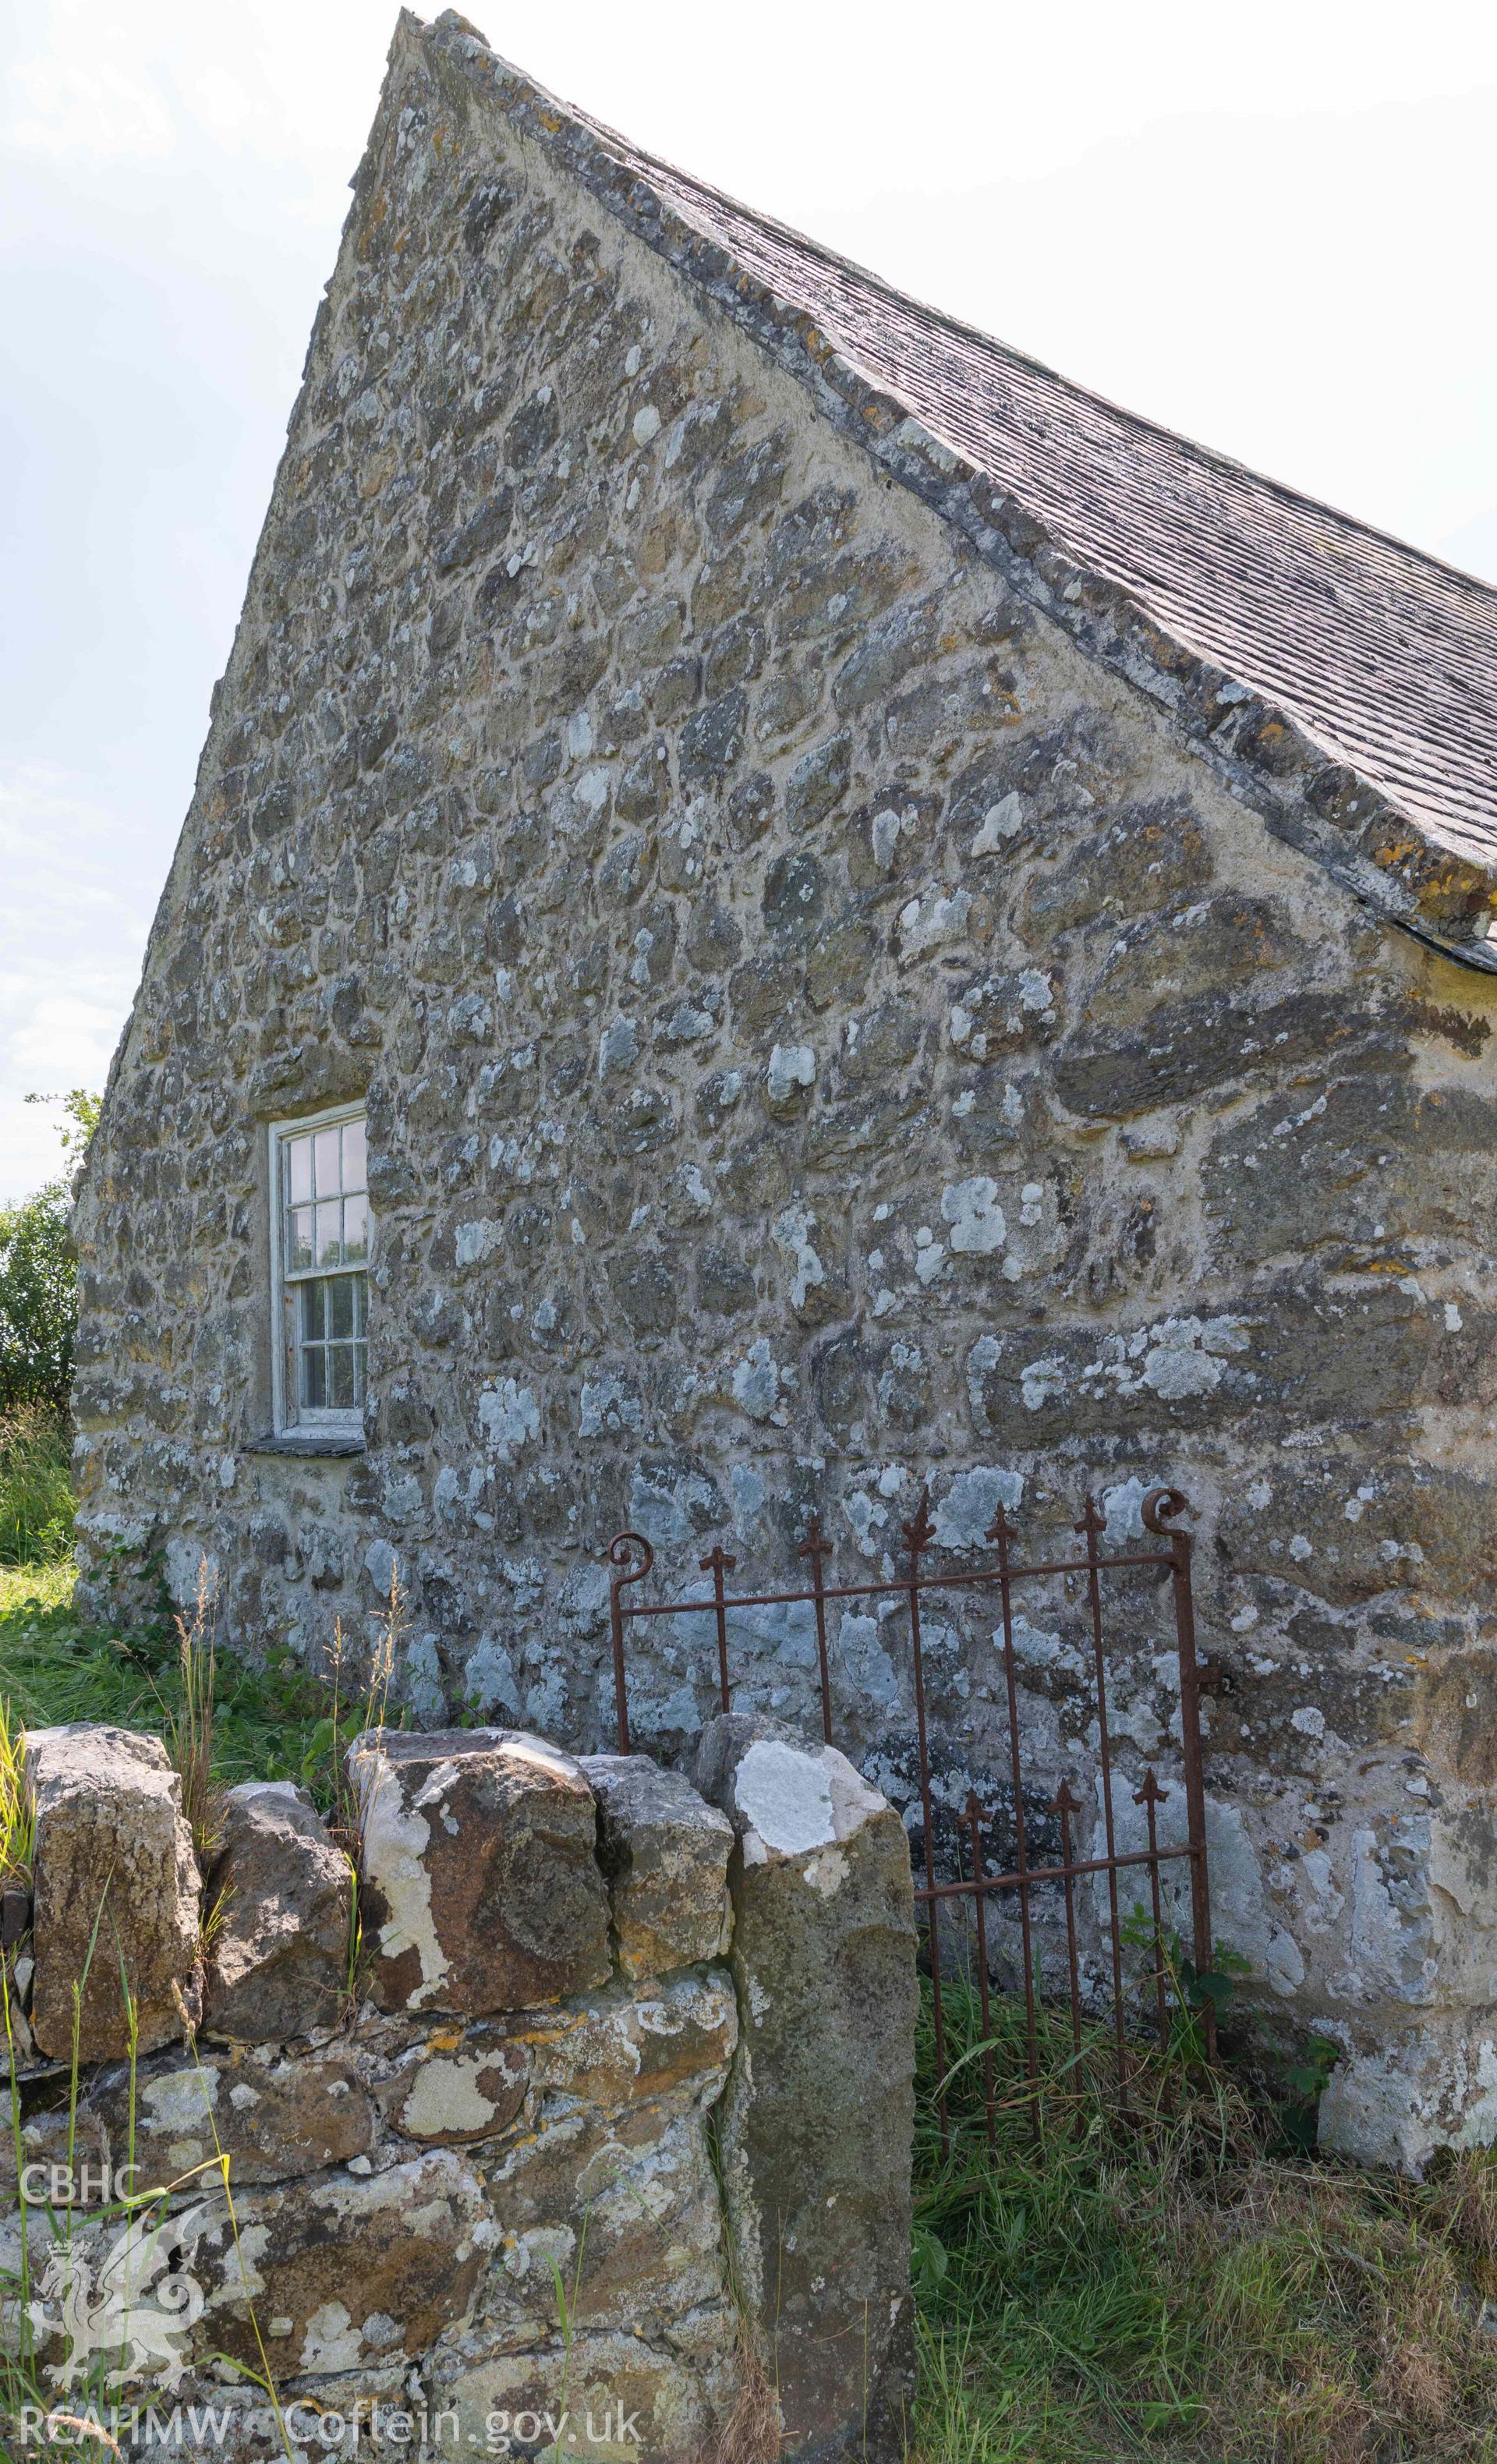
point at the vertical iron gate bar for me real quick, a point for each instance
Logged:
(716, 1564)
(814, 1546)
(1067, 1803)
(1159, 1507)
(1091, 1523)
(985, 1999)
(1149, 1796)
(918, 1536)
(621, 1557)
(999, 1531)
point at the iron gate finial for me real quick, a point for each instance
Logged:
(1092, 1522)
(922, 1531)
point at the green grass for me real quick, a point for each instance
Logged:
(269, 1724)
(1174, 2290)
(36, 1499)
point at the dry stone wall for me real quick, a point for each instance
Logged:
(613, 2121)
(820, 1028)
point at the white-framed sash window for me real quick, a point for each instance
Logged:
(319, 1253)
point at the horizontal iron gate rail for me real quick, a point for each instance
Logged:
(632, 1559)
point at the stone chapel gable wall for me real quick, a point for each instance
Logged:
(818, 1030)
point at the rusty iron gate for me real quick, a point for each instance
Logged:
(632, 1559)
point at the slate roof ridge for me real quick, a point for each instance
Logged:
(1432, 873)
(1230, 464)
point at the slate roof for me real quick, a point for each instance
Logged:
(1385, 656)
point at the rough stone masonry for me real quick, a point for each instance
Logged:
(583, 2132)
(843, 995)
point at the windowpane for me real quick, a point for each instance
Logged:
(324, 1242)
(329, 1232)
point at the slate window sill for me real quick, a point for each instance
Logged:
(307, 1441)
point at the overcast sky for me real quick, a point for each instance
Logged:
(1270, 228)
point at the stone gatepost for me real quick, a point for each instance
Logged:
(819, 2115)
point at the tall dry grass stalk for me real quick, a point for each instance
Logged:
(752, 2434)
(15, 1805)
(187, 1725)
(353, 1716)
(382, 1670)
(349, 1718)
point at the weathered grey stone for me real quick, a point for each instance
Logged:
(281, 1901)
(713, 739)
(470, 2198)
(818, 782)
(1208, 945)
(1358, 1519)
(619, 2048)
(1148, 855)
(668, 2415)
(1201, 1042)
(626, 2205)
(347, 2271)
(665, 1853)
(1395, 2100)
(458, 2087)
(483, 1889)
(1347, 1166)
(58, 2180)
(441, 2082)
(882, 1040)
(840, 960)
(273, 2117)
(1302, 1355)
(818, 2128)
(116, 1891)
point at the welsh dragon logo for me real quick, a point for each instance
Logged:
(137, 2302)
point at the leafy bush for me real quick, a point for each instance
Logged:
(38, 1301)
(38, 1275)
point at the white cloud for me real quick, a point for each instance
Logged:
(84, 106)
(68, 975)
